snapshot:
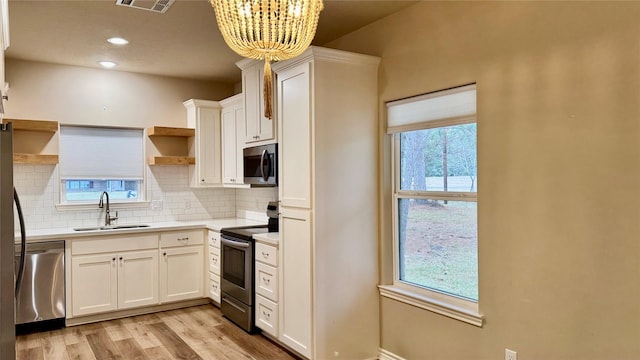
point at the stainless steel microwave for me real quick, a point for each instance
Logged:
(261, 165)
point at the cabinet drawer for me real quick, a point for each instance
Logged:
(267, 315)
(267, 254)
(214, 239)
(181, 238)
(214, 260)
(267, 281)
(101, 244)
(214, 287)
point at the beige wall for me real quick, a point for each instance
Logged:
(78, 95)
(558, 166)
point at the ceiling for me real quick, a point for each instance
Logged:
(183, 42)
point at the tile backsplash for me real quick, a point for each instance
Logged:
(39, 191)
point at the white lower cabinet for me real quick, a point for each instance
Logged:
(106, 281)
(123, 272)
(94, 284)
(295, 270)
(213, 245)
(266, 281)
(137, 279)
(266, 287)
(181, 268)
(267, 315)
(214, 288)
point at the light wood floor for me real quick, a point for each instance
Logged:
(193, 333)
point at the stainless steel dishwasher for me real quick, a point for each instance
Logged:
(40, 300)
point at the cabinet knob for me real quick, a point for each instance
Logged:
(120, 258)
(114, 259)
(164, 254)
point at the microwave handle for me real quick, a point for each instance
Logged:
(262, 157)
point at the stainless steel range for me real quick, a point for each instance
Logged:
(237, 275)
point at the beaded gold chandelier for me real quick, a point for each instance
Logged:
(272, 30)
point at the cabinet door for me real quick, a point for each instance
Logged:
(295, 275)
(257, 127)
(181, 273)
(214, 287)
(208, 150)
(295, 123)
(231, 172)
(94, 284)
(267, 315)
(266, 281)
(214, 260)
(137, 278)
(229, 148)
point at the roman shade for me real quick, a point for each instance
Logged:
(101, 153)
(442, 108)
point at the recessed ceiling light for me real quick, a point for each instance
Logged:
(107, 64)
(118, 41)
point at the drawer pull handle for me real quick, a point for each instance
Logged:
(266, 314)
(183, 239)
(266, 255)
(266, 281)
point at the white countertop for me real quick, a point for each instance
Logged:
(64, 234)
(271, 238)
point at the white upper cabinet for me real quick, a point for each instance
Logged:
(258, 129)
(204, 117)
(295, 127)
(232, 140)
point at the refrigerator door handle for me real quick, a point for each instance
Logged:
(23, 242)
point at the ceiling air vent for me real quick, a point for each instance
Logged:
(160, 6)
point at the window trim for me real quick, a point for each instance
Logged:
(142, 202)
(438, 302)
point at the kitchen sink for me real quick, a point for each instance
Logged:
(111, 227)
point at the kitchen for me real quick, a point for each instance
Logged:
(183, 208)
(546, 73)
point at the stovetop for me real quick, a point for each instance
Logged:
(245, 233)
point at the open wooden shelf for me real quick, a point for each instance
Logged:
(171, 160)
(33, 125)
(170, 131)
(39, 159)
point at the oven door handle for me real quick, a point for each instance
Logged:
(235, 244)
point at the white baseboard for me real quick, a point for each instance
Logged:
(388, 355)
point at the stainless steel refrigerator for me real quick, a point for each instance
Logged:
(12, 262)
(7, 239)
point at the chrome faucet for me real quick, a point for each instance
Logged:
(107, 216)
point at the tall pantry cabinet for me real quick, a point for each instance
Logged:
(326, 103)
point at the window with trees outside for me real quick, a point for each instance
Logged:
(435, 199)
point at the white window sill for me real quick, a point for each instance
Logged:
(427, 303)
(112, 206)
